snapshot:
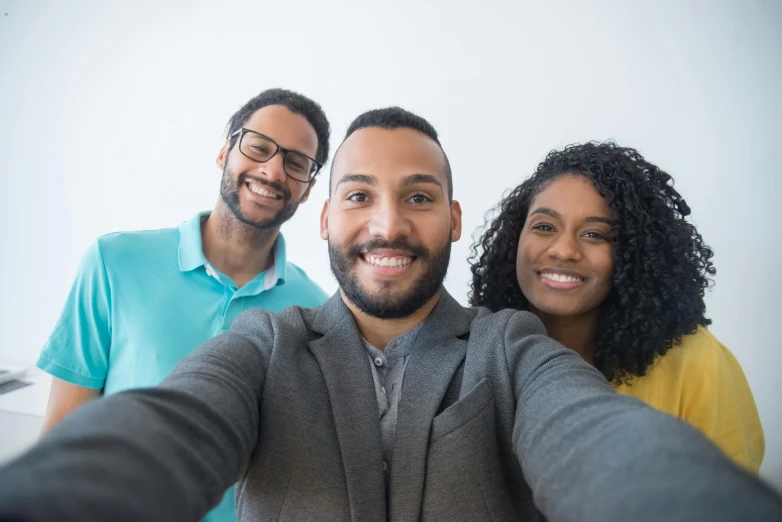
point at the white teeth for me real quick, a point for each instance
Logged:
(561, 278)
(394, 262)
(262, 191)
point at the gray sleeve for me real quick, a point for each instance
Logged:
(589, 453)
(156, 454)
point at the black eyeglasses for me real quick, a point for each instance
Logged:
(260, 148)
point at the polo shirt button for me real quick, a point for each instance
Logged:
(385, 466)
(209, 271)
(378, 362)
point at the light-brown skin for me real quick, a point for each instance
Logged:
(389, 206)
(64, 397)
(568, 233)
(236, 249)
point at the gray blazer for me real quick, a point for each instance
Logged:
(495, 422)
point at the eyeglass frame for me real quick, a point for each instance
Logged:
(242, 131)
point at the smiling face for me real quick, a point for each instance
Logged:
(565, 257)
(389, 223)
(261, 195)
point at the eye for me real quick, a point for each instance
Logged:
(357, 197)
(296, 166)
(543, 227)
(595, 235)
(420, 198)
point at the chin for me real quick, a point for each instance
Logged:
(261, 220)
(554, 310)
(384, 289)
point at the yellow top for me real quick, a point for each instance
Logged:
(701, 382)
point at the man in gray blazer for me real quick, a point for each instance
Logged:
(389, 402)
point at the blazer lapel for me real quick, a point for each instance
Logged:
(343, 361)
(435, 359)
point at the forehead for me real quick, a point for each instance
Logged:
(389, 155)
(572, 196)
(288, 129)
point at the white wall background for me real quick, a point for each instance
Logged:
(111, 116)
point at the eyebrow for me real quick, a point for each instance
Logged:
(357, 178)
(415, 179)
(412, 179)
(557, 215)
(273, 141)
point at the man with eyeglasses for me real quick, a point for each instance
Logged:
(142, 301)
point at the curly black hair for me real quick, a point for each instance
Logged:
(661, 264)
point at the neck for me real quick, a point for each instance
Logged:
(574, 332)
(380, 332)
(237, 250)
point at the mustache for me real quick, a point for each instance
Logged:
(395, 244)
(277, 187)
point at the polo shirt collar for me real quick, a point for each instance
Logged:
(275, 275)
(191, 252)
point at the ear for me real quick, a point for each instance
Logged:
(306, 194)
(324, 221)
(456, 221)
(222, 157)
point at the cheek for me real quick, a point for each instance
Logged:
(524, 257)
(342, 229)
(528, 250)
(296, 189)
(335, 229)
(432, 229)
(236, 166)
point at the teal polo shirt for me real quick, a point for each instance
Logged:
(143, 301)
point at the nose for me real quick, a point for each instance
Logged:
(565, 247)
(389, 222)
(274, 168)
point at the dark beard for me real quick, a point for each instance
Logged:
(382, 305)
(229, 192)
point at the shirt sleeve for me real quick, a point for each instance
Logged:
(589, 453)
(159, 454)
(78, 349)
(717, 399)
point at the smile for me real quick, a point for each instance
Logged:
(560, 281)
(258, 189)
(387, 261)
(561, 278)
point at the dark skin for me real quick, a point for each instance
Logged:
(565, 261)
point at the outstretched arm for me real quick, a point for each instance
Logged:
(157, 454)
(589, 453)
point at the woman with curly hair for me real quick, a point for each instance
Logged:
(596, 244)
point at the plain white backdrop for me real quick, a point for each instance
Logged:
(112, 114)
